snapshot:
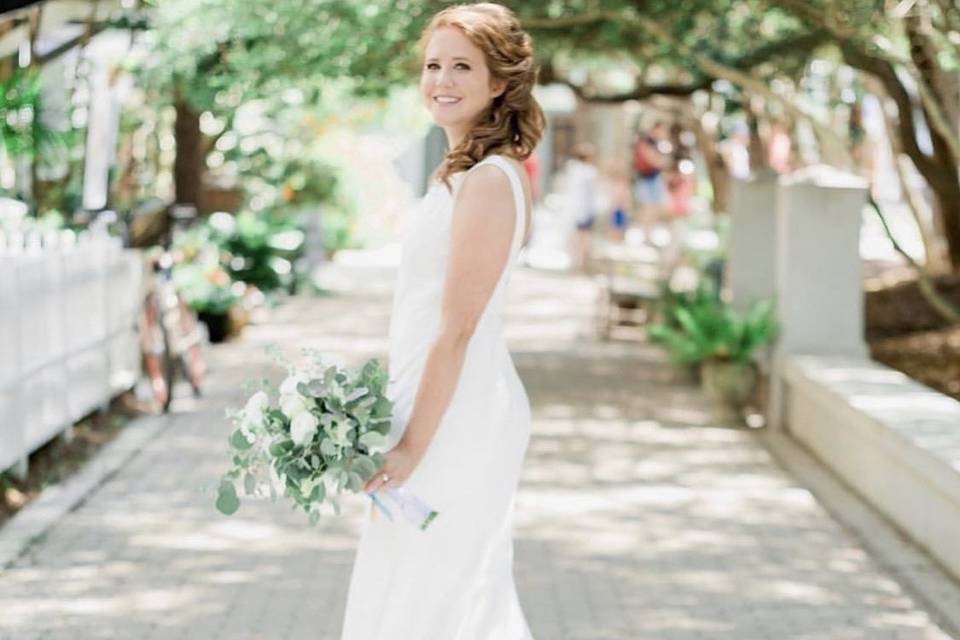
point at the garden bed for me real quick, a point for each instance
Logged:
(905, 333)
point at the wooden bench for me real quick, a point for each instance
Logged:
(628, 281)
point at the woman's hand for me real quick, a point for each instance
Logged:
(398, 464)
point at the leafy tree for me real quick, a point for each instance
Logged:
(215, 55)
(910, 48)
(212, 55)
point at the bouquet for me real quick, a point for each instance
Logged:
(322, 436)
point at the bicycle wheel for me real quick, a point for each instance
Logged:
(169, 366)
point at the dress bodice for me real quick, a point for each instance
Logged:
(420, 280)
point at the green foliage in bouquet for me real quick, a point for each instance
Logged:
(320, 436)
(702, 327)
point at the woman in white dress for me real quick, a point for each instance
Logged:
(461, 420)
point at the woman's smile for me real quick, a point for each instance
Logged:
(455, 83)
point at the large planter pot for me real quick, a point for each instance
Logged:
(729, 385)
(218, 325)
(685, 374)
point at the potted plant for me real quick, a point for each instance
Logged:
(208, 290)
(708, 333)
(668, 301)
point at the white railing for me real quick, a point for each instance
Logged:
(69, 341)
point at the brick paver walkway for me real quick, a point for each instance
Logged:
(636, 518)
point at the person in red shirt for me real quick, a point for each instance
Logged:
(650, 157)
(532, 168)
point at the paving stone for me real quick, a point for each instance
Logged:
(637, 517)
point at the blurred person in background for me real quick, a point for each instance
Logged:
(736, 151)
(680, 178)
(778, 147)
(531, 167)
(650, 156)
(618, 180)
(581, 190)
(680, 184)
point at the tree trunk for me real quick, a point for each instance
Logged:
(946, 189)
(915, 200)
(758, 151)
(716, 167)
(188, 165)
(939, 169)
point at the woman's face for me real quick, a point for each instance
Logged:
(455, 82)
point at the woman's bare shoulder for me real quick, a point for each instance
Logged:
(484, 181)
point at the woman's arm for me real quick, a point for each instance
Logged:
(480, 237)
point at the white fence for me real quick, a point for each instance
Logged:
(68, 336)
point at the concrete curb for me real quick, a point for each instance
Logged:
(920, 575)
(31, 523)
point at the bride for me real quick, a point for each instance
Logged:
(461, 421)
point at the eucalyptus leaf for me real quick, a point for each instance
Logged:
(354, 481)
(280, 447)
(314, 389)
(239, 441)
(356, 394)
(372, 439)
(329, 376)
(364, 466)
(382, 407)
(327, 447)
(227, 500)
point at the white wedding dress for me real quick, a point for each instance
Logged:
(454, 580)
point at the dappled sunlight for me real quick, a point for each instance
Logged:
(632, 499)
(114, 605)
(687, 415)
(924, 417)
(917, 404)
(860, 375)
(635, 483)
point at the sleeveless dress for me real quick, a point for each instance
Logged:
(453, 580)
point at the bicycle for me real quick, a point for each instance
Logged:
(170, 332)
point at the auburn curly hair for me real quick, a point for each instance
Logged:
(513, 123)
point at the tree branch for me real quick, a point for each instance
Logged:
(749, 82)
(640, 93)
(883, 70)
(758, 56)
(712, 68)
(850, 37)
(923, 57)
(566, 22)
(940, 304)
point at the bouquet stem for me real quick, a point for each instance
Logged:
(412, 508)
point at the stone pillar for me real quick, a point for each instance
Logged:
(819, 281)
(751, 264)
